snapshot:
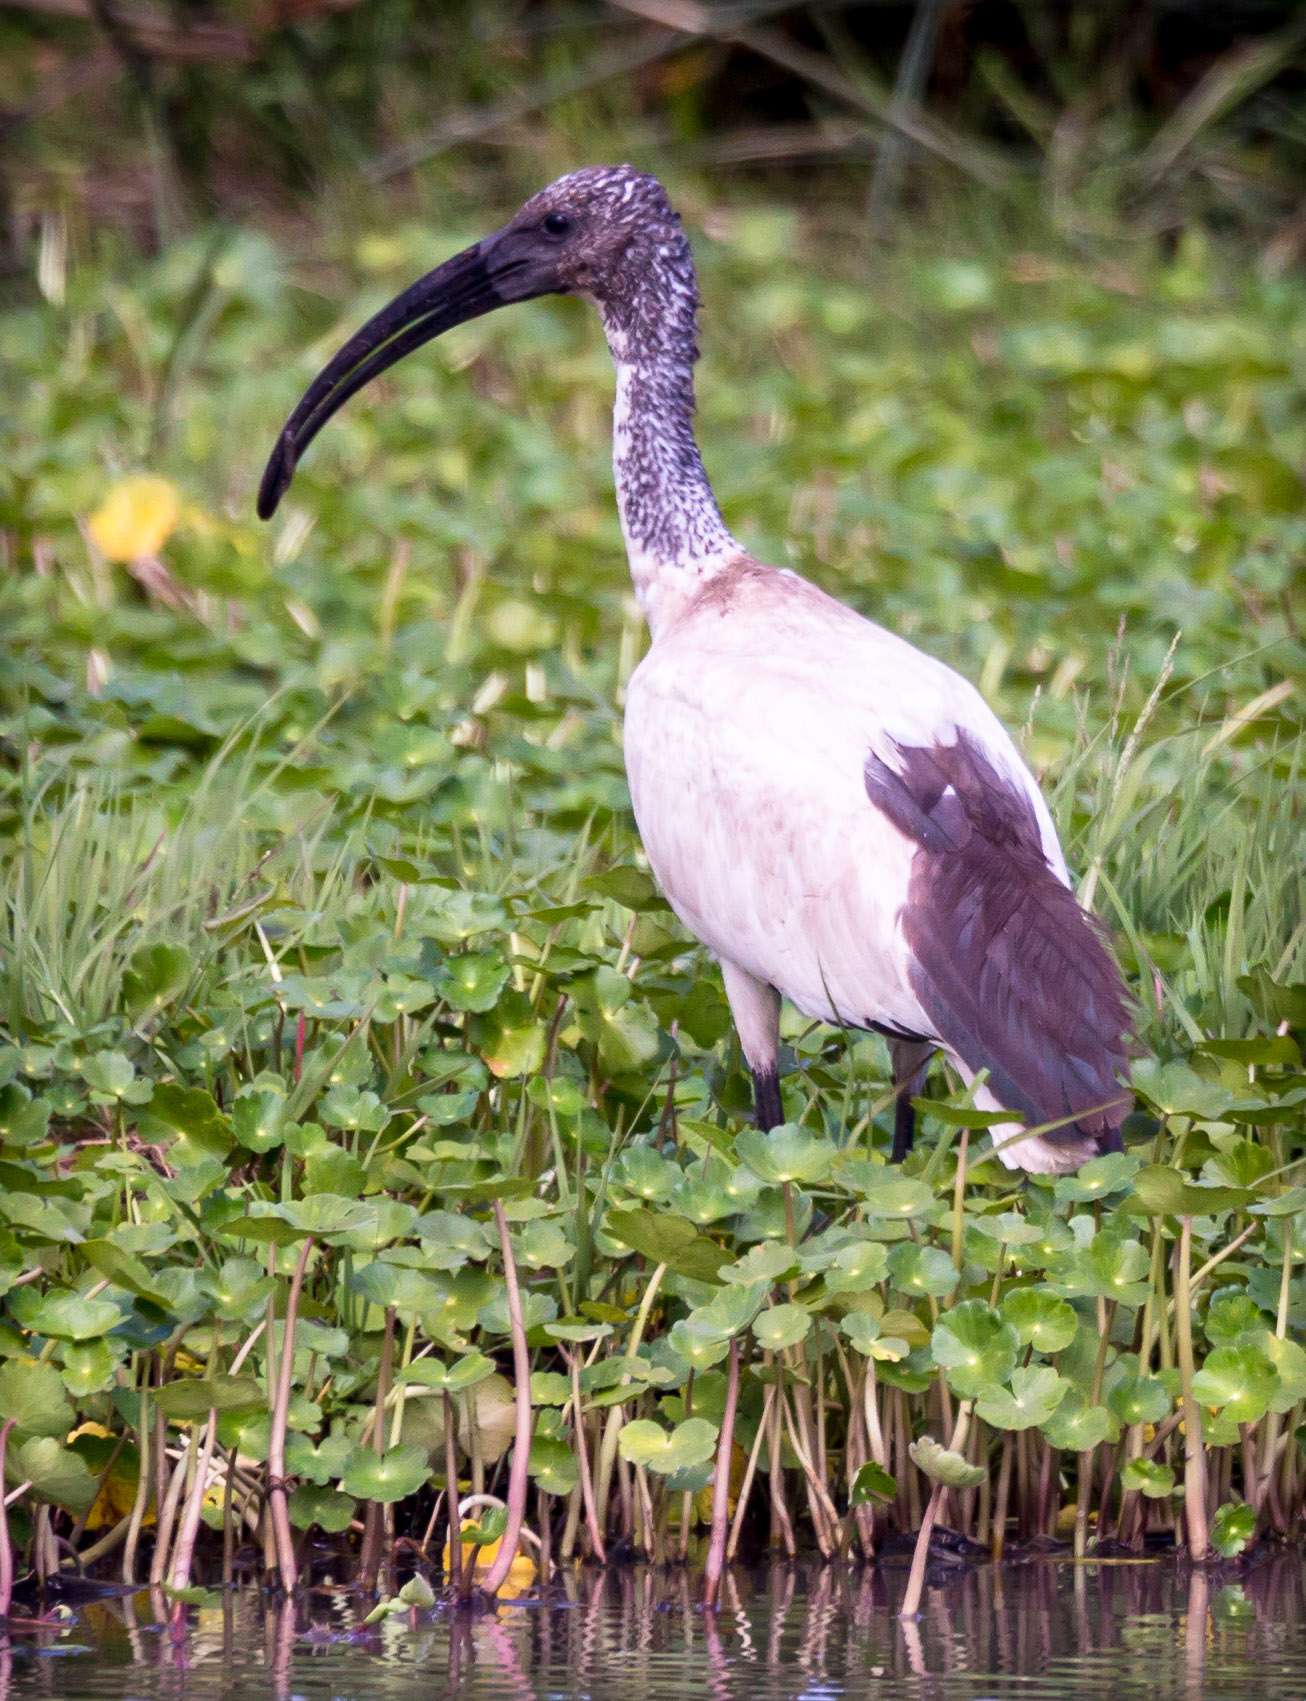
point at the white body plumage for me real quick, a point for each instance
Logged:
(748, 725)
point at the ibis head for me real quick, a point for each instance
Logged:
(601, 233)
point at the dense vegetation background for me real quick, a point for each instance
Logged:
(335, 997)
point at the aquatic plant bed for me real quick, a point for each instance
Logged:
(373, 1138)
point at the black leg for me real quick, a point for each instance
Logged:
(904, 1124)
(911, 1060)
(768, 1112)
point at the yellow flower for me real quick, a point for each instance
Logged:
(136, 518)
(521, 1573)
(117, 1496)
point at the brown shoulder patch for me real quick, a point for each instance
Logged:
(1015, 977)
(719, 593)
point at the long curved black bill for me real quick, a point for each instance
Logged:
(459, 290)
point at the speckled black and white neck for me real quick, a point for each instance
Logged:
(648, 300)
(673, 528)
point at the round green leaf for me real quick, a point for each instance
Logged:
(1041, 1319)
(385, 1285)
(1076, 1426)
(781, 1326)
(1242, 1164)
(316, 1461)
(402, 997)
(553, 1465)
(353, 1109)
(1099, 1176)
(920, 1270)
(577, 1333)
(326, 1507)
(449, 1379)
(733, 1309)
(188, 1122)
(543, 1245)
(331, 1169)
(1231, 1315)
(1163, 1191)
(23, 1119)
(264, 1226)
(975, 1346)
(647, 1174)
(630, 887)
(537, 1308)
(1148, 1477)
(1139, 1399)
(1240, 1381)
(112, 1078)
(549, 1388)
(88, 1368)
(33, 1396)
(699, 1340)
(1289, 1359)
(1118, 1269)
(644, 1442)
(560, 1094)
(157, 975)
(70, 1317)
(862, 1330)
(786, 1153)
(248, 1432)
(56, 1473)
(1176, 1089)
(1008, 1227)
(703, 1199)
(770, 1261)
(239, 1289)
(475, 980)
(387, 1477)
(191, 1400)
(1035, 1393)
(857, 1268)
(1232, 1528)
(885, 1192)
(668, 1240)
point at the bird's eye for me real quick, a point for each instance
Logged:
(556, 224)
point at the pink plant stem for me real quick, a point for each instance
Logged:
(1194, 1448)
(277, 1507)
(519, 1477)
(452, 1495)
(184, 1551)
(911, 1600)
(582, 1460)
(716, 1553)
(6, 1552)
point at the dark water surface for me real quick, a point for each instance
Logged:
(1042, 1629)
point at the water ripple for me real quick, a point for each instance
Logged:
(1031, 1633)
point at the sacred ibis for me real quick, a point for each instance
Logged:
(837, 815)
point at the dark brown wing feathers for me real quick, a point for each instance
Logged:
(1013, 974)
